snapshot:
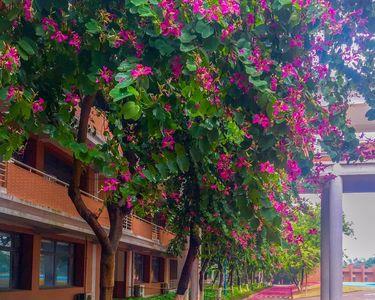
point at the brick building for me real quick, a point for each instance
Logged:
(48, 252)
(360, 273)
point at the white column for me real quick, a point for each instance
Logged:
(335, 250)
(324, 244)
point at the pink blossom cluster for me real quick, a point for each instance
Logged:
(224, 167)
(289, 70)
(141, 70)
(168, 140)
(267, 167)
(214, 12)
(27, 9)
(126, 176)
(261, 64)
(226, 32)
(105, 75)
(279, 107)
(294, 171)
(241, 81)
(14, 91)
(206, 79)
(242, 162)
(242, 239)
(176, 67)
(125, 36)
(313, 231)
(72, 98)
(38, 105)
(9, 59)
(49, 25)
(110, 185)
(262, 120)
(170, 26)
(297, 41)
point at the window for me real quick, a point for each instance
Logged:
(141, 268)
(157, 269)
(9, 260)
(56, 264)
(53, 165)
(173, 269)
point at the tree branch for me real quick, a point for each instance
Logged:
(74, 191)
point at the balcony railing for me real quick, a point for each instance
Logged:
(34, 186)
(2, 174)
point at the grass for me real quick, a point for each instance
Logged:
(210, 293)
(314, 291)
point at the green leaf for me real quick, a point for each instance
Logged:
(204, 29)
(187, 47)
(93, 26)
(24, 44)
(163, 46)
(146, 11)
(138, 2)
(186, 37)
(131, 110)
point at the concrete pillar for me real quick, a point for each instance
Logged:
(324, 244)
(335, 249)
(129, 273)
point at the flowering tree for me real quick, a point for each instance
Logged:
(213, 109)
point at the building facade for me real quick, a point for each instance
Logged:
(47, 251)
(360, 273)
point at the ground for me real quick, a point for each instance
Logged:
(362, 295)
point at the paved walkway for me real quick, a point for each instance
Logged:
(275, 292)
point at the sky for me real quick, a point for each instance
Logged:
(360, 209)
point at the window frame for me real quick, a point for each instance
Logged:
(173, 261)
(142, 256)
(160, 261)
(14, 267)
(55, 254)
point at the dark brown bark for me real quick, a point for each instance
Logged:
(107, 271)
(109, 242)
(194, 244)
(202, 273)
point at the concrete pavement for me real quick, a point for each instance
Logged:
(362, 295)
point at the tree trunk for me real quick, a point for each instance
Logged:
(202, 273)
(221, 283)
(107, 275)
(183, 283)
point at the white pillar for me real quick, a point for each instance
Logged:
(324, 244)
(335, 250)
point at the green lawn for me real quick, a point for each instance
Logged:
(210, 293)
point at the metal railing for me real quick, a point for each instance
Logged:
(2, 174)
(128, 221)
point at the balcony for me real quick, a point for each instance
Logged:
(42, 190)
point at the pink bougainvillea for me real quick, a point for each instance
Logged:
(38, 105)
(267, 167)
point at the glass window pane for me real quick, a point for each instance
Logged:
(62, 248)
(62, 271)
(156, 269)
(5, 269)
(5, 239)
(47, 246)
(46, 270)
(138, 268)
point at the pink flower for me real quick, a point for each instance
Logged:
(38, 105)
(293, 169)
(168, 107)
(313, 231)
(141, 70)
(267, 167)
(279, 107)
(289, 70)
(296, 42)
(262, 65)
(224, 167)
(75, 41)
(27, 9)
(262, 120)
(170, 26)
(10, 59)
(105, 74)
(242, 163)
(250, 19)
(59, 37)
(176, 67)
(241, 81)
(126, 176)
(72, 98)
(205, 79)
(49, 24)
(226, 32)
(274, 84)
(168, 140)
(110, 184)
